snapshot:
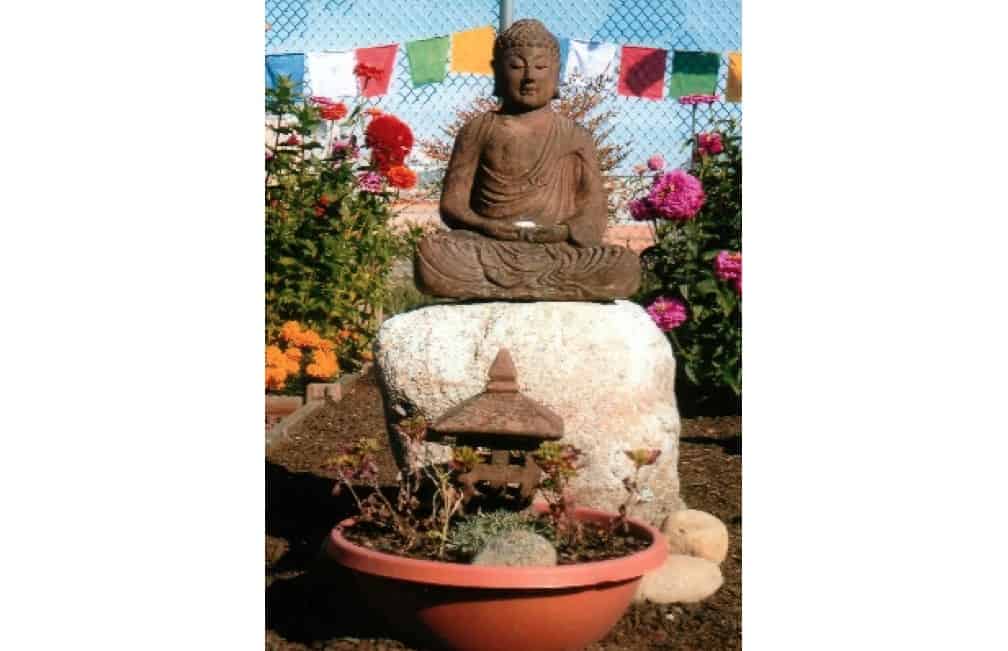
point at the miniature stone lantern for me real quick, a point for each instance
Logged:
(507, 423)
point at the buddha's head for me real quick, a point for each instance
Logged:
(526, 63)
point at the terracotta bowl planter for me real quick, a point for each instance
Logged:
(459, 606)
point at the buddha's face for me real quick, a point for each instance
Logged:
(529, 77)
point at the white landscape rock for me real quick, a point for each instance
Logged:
(681, 579)
(605, 368)
(696, 533)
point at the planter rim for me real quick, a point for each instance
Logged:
(463, 575)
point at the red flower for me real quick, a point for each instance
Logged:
(336, 111)
(402, 177)
(319, 211)
(323, 201)
(710, 143)
(292, 140)
(390, 140)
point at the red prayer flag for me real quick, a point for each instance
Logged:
(375, 66)
(642, 72)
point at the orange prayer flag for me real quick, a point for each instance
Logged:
(733, 88)
(472, 50)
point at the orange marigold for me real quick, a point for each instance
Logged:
(324, 365)
(275, 378)
(402, 177)
(324, 345)
(274, 356)
(290, 330)
(306, 338)
(292, 360)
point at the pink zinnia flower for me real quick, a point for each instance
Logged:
(656, 163)
(710, 143)
(639, 210)
(345, 149)
(370, 182)
(667, 313)
(676, 195)
(728, 265)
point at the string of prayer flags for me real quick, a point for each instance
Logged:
(428, 59)
(694, 73)
(374, 69)
(587, 59)
(733, 87)
(290, 65)
(642, 72)
(472, 50)
(331, 74)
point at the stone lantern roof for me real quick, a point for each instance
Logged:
(501, 410)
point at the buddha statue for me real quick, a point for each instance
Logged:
(523, 195)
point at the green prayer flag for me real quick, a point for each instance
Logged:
(694, 73)
(428, 59)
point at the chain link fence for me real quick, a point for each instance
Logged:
(647, 126)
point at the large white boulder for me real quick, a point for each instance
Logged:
(605, 368)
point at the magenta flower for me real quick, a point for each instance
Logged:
(728, 265)
(639, 210)
(690, 100)
(676, 195)
(370, 182)
(656, 163)
(710, 143)
(667, 313)
(346, 148)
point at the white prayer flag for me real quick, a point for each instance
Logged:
(331, 74)
(590, 59)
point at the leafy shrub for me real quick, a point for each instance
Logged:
(694, 271)
(328, 245)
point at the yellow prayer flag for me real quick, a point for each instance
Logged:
(472, 50)
(733, 89)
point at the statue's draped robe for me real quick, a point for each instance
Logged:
(559, 188)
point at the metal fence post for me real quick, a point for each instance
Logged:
(506, 14)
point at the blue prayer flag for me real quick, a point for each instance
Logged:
(290, 65)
